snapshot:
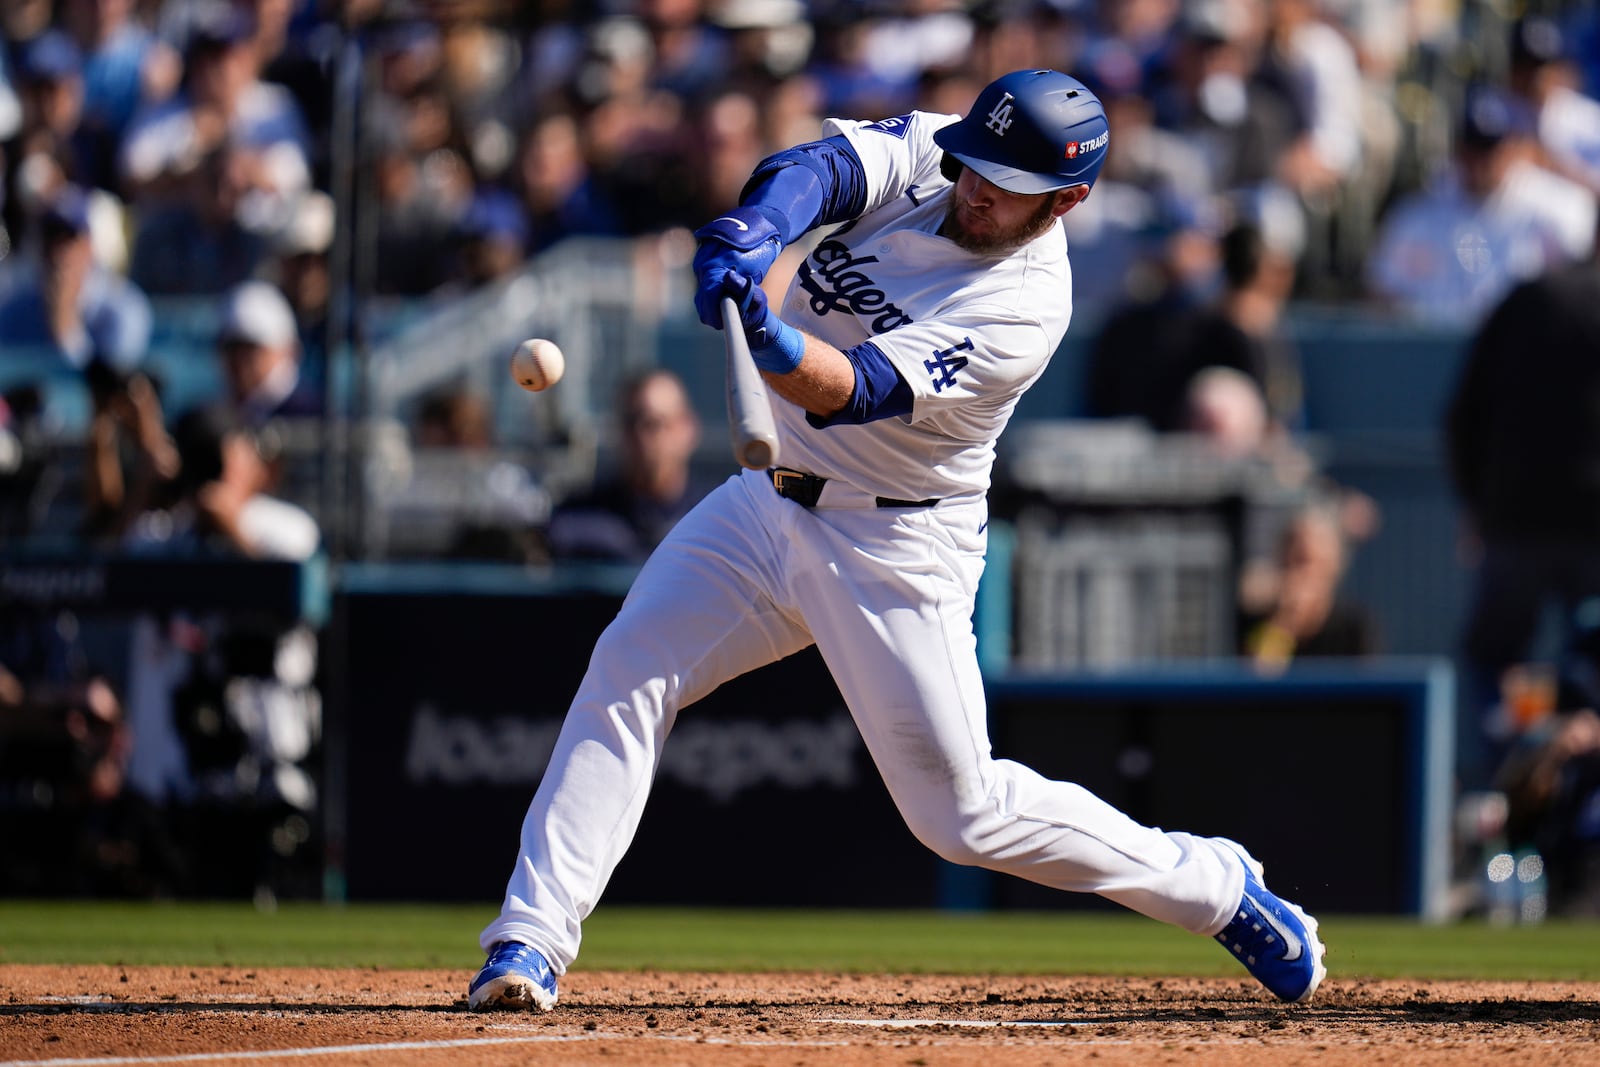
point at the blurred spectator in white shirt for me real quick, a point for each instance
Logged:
(222, 101)
(1547, 81)
(70, 304)
(1450, 252)
(1326, 80)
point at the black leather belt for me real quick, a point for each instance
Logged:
(806, 489)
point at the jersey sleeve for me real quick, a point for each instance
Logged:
(896, 153)
(978, 356)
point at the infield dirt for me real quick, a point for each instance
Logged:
(403, 1018)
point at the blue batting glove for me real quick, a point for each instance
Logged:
(774, 345)
(744, 241)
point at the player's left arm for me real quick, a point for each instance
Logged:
(860, 166)
(788, 194)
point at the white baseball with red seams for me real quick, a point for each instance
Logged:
(537, 364)
(885, 592)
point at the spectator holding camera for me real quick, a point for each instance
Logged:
(129, 452)
(219, 499)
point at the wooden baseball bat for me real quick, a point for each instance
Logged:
(755, 435)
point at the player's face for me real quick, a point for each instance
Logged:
(984, 218)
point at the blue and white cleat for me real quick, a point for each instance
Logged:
(516, 977)
(1275, 940)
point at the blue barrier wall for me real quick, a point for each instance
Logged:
(453, 682)
(1375, 397)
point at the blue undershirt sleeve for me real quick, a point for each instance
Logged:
(816, 183)
(879, 393)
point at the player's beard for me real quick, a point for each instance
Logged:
(997, 242)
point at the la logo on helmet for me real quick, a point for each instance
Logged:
(1000, 117)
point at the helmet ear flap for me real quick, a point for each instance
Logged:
(950, 167)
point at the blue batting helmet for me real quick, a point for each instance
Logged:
(1031, 131)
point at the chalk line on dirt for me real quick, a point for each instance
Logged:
(393, 1046)
(279, 1053)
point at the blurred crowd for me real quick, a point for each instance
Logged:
(1419, 154)
(292, 161)
(284, 160)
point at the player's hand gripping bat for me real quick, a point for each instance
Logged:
(755, 435)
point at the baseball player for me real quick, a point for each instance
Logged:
(937, 295)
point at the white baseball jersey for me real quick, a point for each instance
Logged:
(968, 332)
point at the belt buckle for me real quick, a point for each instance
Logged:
(783, 480)
(804, 489)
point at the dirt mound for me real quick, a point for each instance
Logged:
(415, 1018)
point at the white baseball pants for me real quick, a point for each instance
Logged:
(747, 578)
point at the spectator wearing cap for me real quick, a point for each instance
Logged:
(1545, 79)
(69, 304)
(1448, 253)
(51, 148)
(222, 102)
(260, 349)
(492, 237)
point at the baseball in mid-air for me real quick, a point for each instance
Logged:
(537, 364)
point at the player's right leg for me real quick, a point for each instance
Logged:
(700, 612)
(899, 642)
